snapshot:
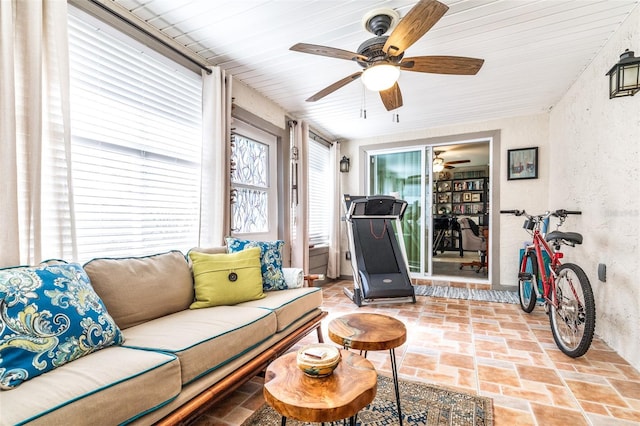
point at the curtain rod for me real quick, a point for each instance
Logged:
(312, 134)
(116, 15)
(316, 136)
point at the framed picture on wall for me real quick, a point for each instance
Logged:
(522, 163)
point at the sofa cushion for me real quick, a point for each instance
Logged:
(51, 316)
(204, 339)
(112, 386)
(289, 305)
(226, 279)
(139, 289)
(270, 260)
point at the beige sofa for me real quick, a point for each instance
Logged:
(175, 361)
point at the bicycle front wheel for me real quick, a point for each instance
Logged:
(527, 281)
(573, 311)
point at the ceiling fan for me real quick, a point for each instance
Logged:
(439, 164)
(385, 54)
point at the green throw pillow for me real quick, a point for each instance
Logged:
(226, 279)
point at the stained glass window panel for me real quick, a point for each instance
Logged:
(251, 159)
(250, 211)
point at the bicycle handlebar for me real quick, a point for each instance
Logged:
(558, 213)
(515, 212)
(563, 212)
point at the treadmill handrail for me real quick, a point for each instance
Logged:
(392, 217)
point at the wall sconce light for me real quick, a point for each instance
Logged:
(624, 77)
(344, 164)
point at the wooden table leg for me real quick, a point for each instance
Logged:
(310, 278)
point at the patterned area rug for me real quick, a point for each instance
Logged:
(422, 405)
(501, 296)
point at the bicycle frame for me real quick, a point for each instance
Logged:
(564, 287)
(538, 246)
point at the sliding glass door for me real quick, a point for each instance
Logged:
(436, 201)
(405, 175)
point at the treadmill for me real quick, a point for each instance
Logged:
(378, 258)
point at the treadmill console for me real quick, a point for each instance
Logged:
(374, 205)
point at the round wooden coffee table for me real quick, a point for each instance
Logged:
(371, 332)
(290, 392)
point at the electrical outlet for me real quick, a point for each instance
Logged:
(602, 272)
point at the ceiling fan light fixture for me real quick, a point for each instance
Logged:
(380, 77)
(438, 165)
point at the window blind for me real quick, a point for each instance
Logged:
(319, 192)
(136, 145)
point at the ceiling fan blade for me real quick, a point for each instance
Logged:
(456, 162)
(335, 86)
(331, 52)
(392, 97)
(414, 25)
(458, 65)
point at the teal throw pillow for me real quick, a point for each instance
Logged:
(270, 260)
(49, 316)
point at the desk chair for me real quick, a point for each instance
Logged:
(473, 241)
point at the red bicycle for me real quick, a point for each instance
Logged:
(565, 288)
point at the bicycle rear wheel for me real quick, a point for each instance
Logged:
(573, 311)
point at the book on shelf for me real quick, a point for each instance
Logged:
(469, 174)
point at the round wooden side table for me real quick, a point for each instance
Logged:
(371, 332)
(290, 392)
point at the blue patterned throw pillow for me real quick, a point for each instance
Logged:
(49, 316)
(270, 260)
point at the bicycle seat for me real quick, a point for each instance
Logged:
(572, 237)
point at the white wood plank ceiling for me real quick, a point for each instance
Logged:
(533, 52)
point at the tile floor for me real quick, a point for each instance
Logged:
(492, 349)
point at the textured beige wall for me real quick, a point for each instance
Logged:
(257, 104)
(595, 158)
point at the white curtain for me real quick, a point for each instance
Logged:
(215, 197)
(299, 198)
(35, 167)
(333, 266)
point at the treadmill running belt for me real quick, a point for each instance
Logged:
(374, 237)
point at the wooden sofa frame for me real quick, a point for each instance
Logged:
(219, 391)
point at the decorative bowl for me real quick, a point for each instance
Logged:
(318, 360)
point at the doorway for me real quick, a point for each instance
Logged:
(460, 210)
(438, 200)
